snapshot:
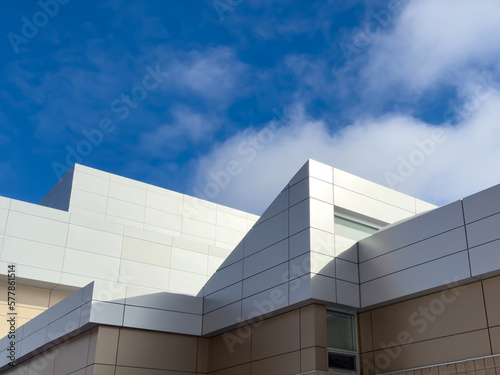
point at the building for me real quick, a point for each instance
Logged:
(113, 276)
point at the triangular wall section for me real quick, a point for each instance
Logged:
(273, 266)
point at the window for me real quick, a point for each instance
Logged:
(341, 332)
(341, 340)
(352, 229)
(342, 361)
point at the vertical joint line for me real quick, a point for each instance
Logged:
(487, 318)
(466, 237)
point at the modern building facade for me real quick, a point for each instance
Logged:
(339, 275)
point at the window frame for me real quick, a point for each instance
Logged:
(355, 352)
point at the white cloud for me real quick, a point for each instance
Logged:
(458, 162)
(431, 43)
(215, 74)
(430, 38)
(187, 128)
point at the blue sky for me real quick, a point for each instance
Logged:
(226, 99)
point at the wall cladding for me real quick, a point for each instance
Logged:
(459, 323)
(287, 344)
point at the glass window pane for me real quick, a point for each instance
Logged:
(340, 330)
(342, 361)
(351, 229)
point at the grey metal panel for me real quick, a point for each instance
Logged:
(235, 255)
(59, 196)
(163, 300)
(88, 292)
(279, 204)
(221, 318)
(346, 249)
(347, 271)
(33, 342)
(482, 204)
(267, 233)
(68, 304)
(106, 313)
(265, 280)
(37, 323)
(412, 230)
(416, 279)
(268, 258)
(85, 312)
(323, 264)
(19, 333)
(300, 217)
(224, 277)
(347, 293)
(299, 192)
(485, 258)
(300, 289)
(412, 255)
(322, 242)
(62, 326)
(300, 266)
(5, 342)
(300, 243)
(484, 230)
(161, 320)
(222, 297)
(265, 302)
(323, 288)
(301, 174)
